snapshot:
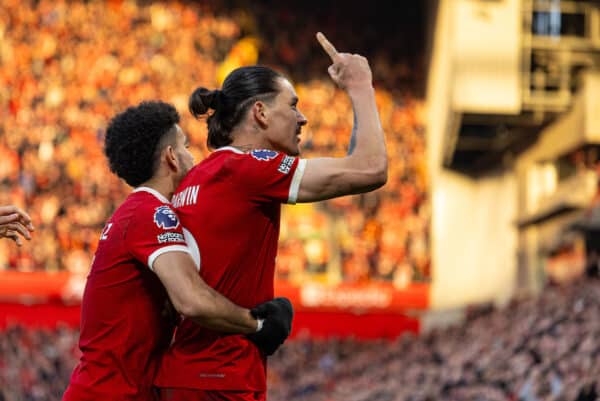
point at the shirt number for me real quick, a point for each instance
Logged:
(105, 232)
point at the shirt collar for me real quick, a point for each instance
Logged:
(231, 148)
(154, 192)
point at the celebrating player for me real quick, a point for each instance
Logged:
(230, 206)
(126, 320)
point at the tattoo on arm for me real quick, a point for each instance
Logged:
(352, 137)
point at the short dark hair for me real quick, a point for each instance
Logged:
(242, 87)
(135, 138)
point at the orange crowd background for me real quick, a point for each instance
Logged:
(67, 67)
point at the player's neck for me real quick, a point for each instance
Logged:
(243, 148)
(163, 187)
(247, 140)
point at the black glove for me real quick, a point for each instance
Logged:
(277, 314)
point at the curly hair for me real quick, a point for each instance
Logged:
(135, 137)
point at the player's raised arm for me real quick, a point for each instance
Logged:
(365, 168)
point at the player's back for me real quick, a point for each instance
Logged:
(230, 206)
(235, 233)
(124, 327)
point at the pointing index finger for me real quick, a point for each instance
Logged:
(327, 46)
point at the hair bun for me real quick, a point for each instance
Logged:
(203, 100)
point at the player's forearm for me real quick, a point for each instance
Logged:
(214, 311)
(364, 170)
(227, 325)
(370, 153)
(196, 300)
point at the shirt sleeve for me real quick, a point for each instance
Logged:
(271, 176)
(154, 230)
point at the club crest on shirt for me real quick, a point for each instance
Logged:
(263, 154)
(165, 218)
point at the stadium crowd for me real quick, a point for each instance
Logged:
(537, 349)
(61, 81)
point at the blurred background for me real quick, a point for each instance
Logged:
(472, 275)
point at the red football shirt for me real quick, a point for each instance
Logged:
(230, 207)
(124, 328)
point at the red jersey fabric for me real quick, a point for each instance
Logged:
(230, 207)
(124, 324)
(184, 394)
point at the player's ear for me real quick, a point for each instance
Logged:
(171, 158)
(260, 113)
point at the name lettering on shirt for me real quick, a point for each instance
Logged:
(188, 196)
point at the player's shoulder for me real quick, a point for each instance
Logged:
(144, 198)
(259, 163)
(144, 203)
